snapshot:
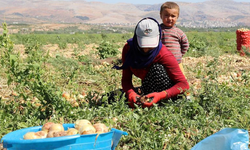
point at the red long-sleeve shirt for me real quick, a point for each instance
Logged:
(167, 59)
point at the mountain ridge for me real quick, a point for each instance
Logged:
(75, 11)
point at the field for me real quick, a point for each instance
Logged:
(36, 69)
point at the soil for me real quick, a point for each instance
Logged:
(144, 99)
(235, 63)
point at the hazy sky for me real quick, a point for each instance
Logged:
(152, 1)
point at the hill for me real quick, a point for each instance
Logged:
(205, 14)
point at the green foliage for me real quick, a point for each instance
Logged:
(7, 44)
(198, 46)
(107, 49)
(246, 50)
(211, 43)
(176, 125)
(30, 74)
(69, 38)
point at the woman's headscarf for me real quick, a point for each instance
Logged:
(135, 57)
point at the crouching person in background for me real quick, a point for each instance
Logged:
(147, 58)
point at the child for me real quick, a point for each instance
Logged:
(172, 37)
(147, 58)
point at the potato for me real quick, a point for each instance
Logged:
(100, 128)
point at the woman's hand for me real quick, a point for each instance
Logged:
(132, 97)
(156, 96)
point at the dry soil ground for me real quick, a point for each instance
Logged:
(234, 63)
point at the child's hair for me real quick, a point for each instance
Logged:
(170, 5)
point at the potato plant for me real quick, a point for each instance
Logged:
(36, 80)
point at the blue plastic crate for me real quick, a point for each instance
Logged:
(105, 141)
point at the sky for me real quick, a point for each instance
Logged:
(152, 1)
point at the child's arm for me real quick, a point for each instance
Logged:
(184, 44)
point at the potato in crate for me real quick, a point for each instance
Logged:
(61, 140)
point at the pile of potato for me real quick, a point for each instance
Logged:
(243, 29)
(50, 130)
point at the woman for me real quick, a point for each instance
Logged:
(145, 57)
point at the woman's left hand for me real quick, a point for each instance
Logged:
(157, 96)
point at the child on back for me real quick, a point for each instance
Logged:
(172, 37)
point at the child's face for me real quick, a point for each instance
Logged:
(169, 17)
